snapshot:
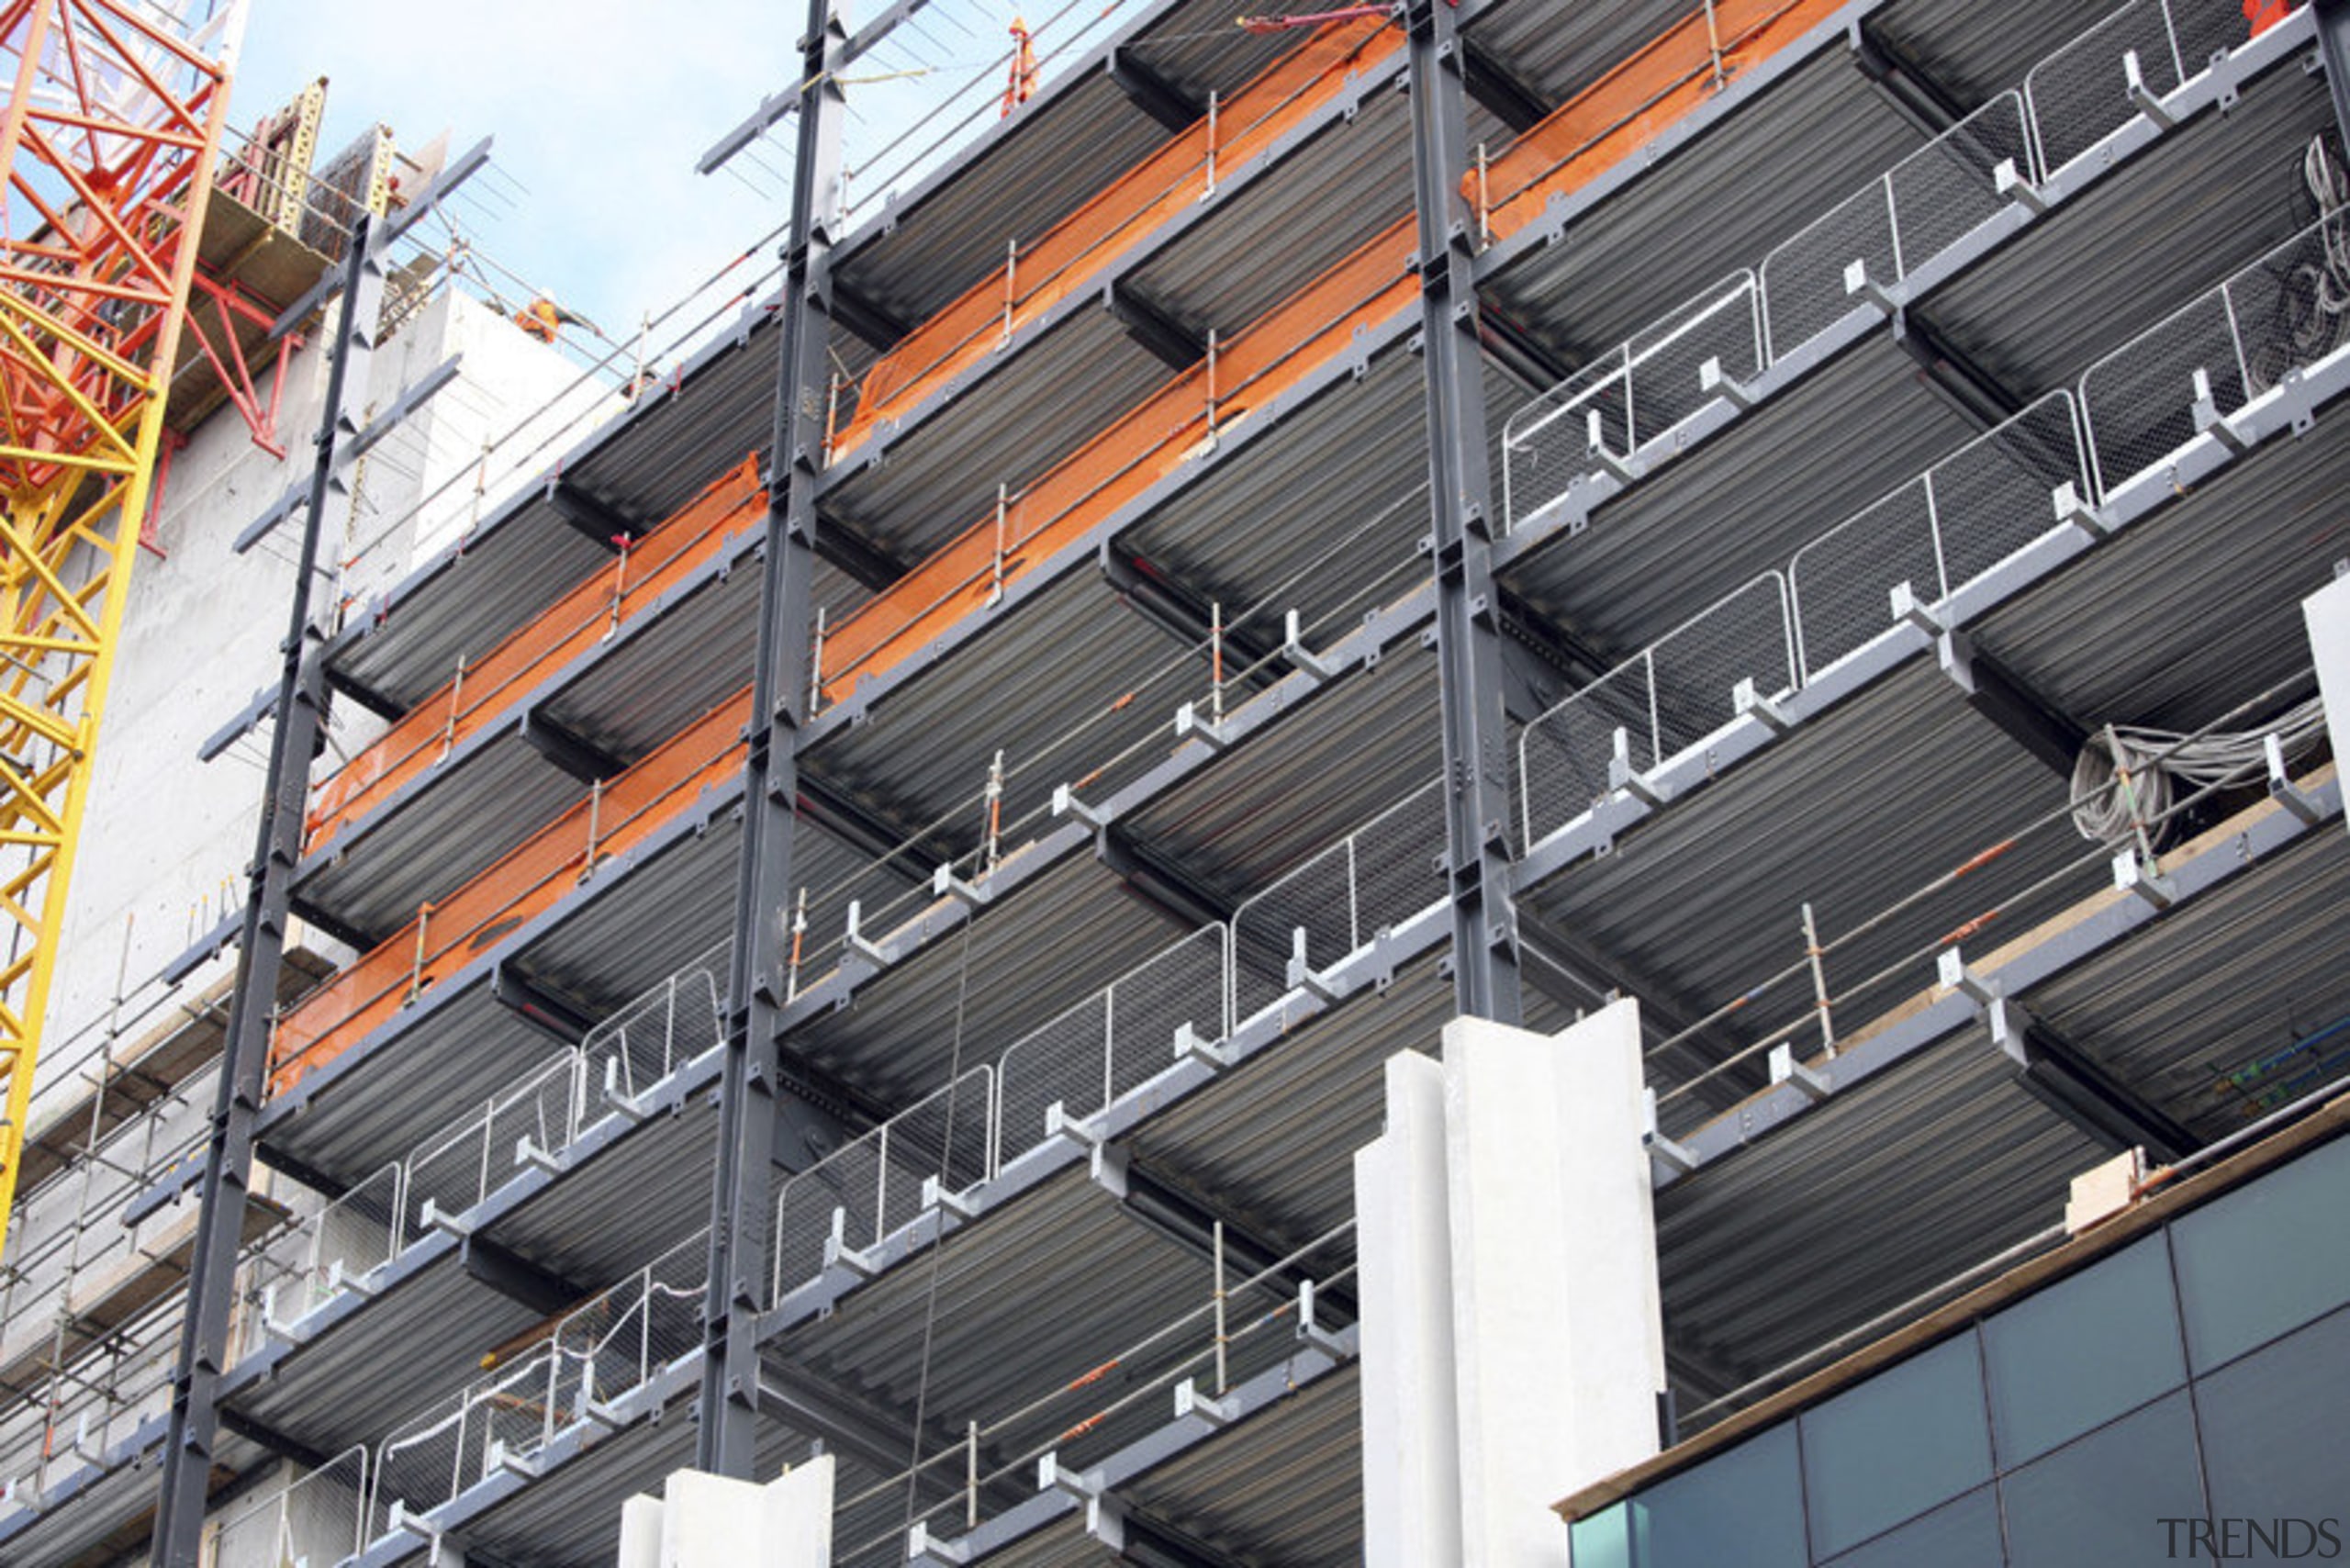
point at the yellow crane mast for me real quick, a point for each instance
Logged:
(109, 134)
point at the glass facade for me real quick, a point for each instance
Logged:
(2179, 1400)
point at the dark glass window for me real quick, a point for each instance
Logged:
(2082, 1351)
(2101, 1500)
(1743, 1507)
(1965, 1534)
(2273, 1430)
(2266, 1258)
(1910, 1438)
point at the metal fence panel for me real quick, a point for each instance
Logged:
(2080, 96)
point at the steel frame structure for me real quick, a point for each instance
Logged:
(109, 136)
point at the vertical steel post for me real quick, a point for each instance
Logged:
(2333, 47)
(294, 739)
(747, 1093)
(1468, 655)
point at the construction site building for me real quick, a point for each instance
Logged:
(1410, 786)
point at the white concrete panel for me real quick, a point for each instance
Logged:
(800, 1517)
(711, 1521)
(640, 1533)
(2328, 614)
(1558, 1334)
(1411, 1486)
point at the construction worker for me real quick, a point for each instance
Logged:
(541, 316)
(1023, 86)
(2265, 14)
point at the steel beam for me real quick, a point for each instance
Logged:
(516, 1277)
(1916, 96)
(597, 520)
(868, 318)
(1148, 323)
(194, 1425)
(1499, 89)
(1152, 93)
(1191, 1222)
(239, 1425)
(568, 749)
(2030, 718)
(748, 1091)
(537, 1003)
(2083, 1090)
(910, 852)
(1159, 596)
(1977, 395)
(865, 560)
(1468, 630)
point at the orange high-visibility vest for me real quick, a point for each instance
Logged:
(2265, 14)
(539, 319)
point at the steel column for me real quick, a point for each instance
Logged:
(2333, 44)
(1468, 634)
(228, 1153)
(748, 1089)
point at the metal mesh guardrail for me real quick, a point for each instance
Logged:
(318, 1520)
(1937, 532)
(1658, 703)
(1915, 212)
(2230, 344)
(1644, 388)
(661, 1031)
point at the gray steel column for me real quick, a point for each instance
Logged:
(747, 1094)
(2334, 43)
(1469, 654)
(228, 1153)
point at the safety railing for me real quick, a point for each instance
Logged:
(2082, 93)
(1337, 902)
(1914, 213)
(1115, 1041)
(874, 1185)
(1192, 994)
(453, 1171)
(1660, 703)
(1935, 534)
(650, 1038)
(1623, 400)
(508, 1415)
(1940, 530)
(603, 1351)
(613, 1344)
(338, 1247)
(82, 1413)
(449, 1175)
(318, 1519)
(2207, 360)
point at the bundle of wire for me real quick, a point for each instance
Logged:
(2314, 296)
(2109, 807)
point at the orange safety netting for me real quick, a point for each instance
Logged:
(1575, 146)
(447, 936)
(1635, 102)
(1075, 251)
(485, 689)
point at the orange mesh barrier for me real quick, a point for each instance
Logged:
(1627, 108)
(1076, 251)
(1575, 146)
(486, 689)
(445, 937)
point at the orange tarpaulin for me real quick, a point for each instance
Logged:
(1075, 253)
(447, 936)
(488, 687)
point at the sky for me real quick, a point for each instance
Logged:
(598, 109)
